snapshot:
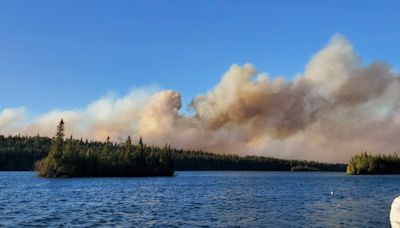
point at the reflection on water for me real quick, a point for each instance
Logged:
(199, 199)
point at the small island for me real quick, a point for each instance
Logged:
(367, 164)
(304, 168)
(72, 158)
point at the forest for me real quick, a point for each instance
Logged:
(198, 160)
(72, 158)
(93, 158)
(367, 164)
(19, 153)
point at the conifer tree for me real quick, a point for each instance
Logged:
(57, 148)
(128, 147)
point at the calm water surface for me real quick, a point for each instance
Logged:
(216, 199)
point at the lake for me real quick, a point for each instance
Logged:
(211, 198)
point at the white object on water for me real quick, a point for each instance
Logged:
(331, 193)
(395, 213)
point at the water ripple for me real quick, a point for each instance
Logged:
(202, 199)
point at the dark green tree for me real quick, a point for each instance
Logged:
(128, 147)
(52, 165)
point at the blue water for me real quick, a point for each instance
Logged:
(216, 199)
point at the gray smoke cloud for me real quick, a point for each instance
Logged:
(336, 108)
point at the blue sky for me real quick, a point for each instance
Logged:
(65, 54)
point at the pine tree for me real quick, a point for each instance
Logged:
(58, 141)
(52, 166)
(140, 144)
(128, 147)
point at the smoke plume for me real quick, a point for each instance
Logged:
(336, 108)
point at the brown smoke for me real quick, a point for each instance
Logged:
(337, 108)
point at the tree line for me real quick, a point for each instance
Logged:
(19, 153)
(364, 164)
(198, 160)
(93, 158)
